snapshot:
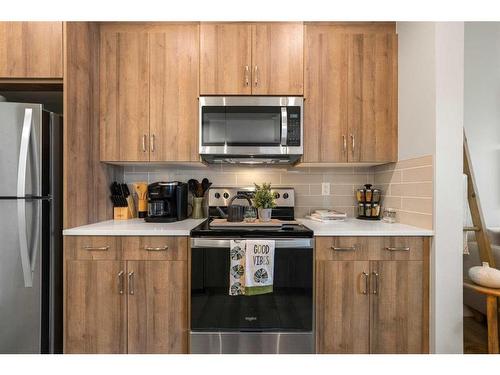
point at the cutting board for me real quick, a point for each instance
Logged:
(256, 224)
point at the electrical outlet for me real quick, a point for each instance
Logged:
(325, 188)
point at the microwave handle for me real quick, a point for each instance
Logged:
(284, 126)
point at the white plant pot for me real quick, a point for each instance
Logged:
(485, 275)
(265, 214)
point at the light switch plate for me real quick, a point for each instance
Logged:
(325, 188)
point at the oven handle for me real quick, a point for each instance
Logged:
(296, 243)
(284, 127)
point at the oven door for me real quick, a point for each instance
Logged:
(278, 322)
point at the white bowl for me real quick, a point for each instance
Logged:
(485, 275)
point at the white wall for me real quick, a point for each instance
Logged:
(430, 122)
(482, 112)
(446, 263)
(416, 89)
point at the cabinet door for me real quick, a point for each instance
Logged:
(225, 59)
(124, 96)
(372, 97)
(31, 50)
(342, 307)
(397, 308)
(174, 66)
(157, 307)
(325, 111)
(278, 58)
(95, 304)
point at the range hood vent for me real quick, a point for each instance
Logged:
(251, 160)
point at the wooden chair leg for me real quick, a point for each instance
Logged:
(492, 317)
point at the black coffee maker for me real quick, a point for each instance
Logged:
(167, 202)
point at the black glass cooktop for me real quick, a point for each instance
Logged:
(287, 230)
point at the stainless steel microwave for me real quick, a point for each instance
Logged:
(251, 129)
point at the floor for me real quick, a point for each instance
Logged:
(475, 336)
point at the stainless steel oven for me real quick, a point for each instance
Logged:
(279, 322)
(251, 129)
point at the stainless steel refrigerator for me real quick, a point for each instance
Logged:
(30, 229)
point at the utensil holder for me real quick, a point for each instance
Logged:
(197, 208)
(121, 213)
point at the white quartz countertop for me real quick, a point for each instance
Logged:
(134, 227)
(355, 227)
(349, 227)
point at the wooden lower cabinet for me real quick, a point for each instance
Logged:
(342, 308)
(96, 314)
(157, 309)
(368, 305)
(129, 305)
(396, 319)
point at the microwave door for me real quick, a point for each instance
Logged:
(253, 126)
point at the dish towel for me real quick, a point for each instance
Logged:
(259, 270)
(237, 267)
(251, 267)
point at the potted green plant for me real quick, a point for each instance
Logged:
(263, 200)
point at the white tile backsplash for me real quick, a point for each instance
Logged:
(305, 181)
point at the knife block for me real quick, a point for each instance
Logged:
(121, 213)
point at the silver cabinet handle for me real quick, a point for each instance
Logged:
(96, 248)
(144, 137)
(120, 281)
(352, 143)
(161, 248)
(247, 75)
(401, 248)
(352, 248)
(131, 283)
(366, 277)
(375, 289)
(256, 78)
(152, 143)
(344, 142)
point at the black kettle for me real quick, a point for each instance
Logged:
(235, 212)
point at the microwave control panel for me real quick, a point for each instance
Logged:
(293, 126)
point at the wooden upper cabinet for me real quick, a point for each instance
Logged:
(225, 58)
(124, 96)
(396, 322)
(157, 309)
(31, 50)
(373, 113)
(325, 108)
(350, 111)
(95, 316)
(251, 59)
(278, 58)
(174, 67)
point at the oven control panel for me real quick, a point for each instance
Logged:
(221, 196)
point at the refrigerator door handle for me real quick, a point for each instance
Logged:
(21, 193)
(36, 234)
(23, 243)
(23, 153)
